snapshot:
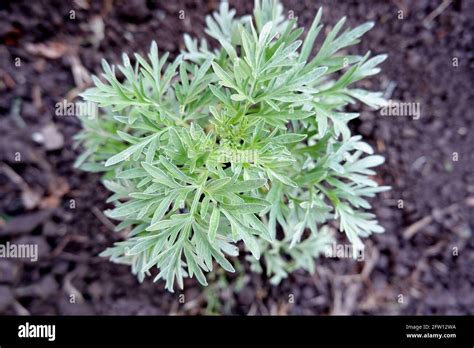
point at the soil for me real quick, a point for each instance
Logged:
(422, 264)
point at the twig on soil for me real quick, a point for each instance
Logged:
(15, 113)
(29, 197)
(345, 297)
(435, 249)
(64, 242)
(70, 289)
(107, 7)
(253, 310)
(13, 176)
(83, 4)
(316, 280)
(36, 95)
(263, 309)
(380, 145)
(19, 309)
(102, 218)
(174, 309)
(435, 13)
(48, 50)
(81, 76)
(415, 227)
(370, 264)
(7, 79)
(345, 305)
(283, 308)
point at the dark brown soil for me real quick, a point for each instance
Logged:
(423, 264)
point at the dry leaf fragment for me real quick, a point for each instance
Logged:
(50, 50)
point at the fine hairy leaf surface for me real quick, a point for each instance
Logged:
(247, 145)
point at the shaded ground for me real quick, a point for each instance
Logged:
(421, 265)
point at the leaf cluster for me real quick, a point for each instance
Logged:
(249, 142)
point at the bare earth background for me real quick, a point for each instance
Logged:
(423, 264)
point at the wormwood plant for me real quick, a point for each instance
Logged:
(248, 142)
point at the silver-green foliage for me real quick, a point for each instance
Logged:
(221, 146)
